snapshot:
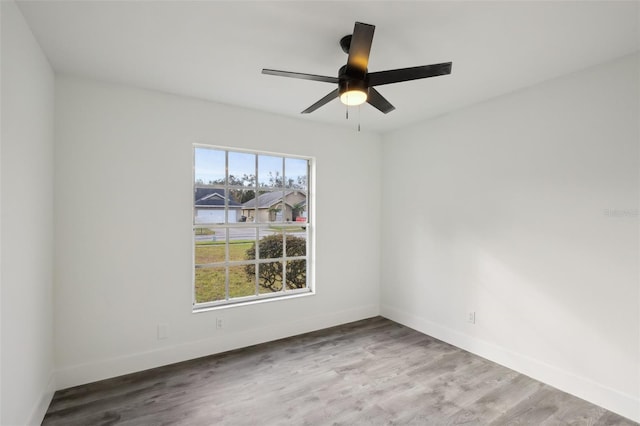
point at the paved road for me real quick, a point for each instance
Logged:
(242, 234)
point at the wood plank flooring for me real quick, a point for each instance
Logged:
(370, 372)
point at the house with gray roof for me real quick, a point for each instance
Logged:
(276, 206)
(209, 206)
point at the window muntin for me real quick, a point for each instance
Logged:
(250, 226)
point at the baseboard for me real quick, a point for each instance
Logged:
(40, 409)
(225, 341)
(611, 399)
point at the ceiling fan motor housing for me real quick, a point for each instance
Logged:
(347, 82)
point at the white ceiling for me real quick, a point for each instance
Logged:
(215, 50)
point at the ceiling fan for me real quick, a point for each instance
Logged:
(355, 82)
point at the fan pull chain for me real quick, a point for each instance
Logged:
(358, 117)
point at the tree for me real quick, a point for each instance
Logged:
(273, 181)
(270, 274)
(299, 183)
(298, 209)
(240, 196)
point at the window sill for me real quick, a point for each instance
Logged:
(226, 305)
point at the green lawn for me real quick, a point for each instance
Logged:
(204, 231)
(210, 281)
(287, 228)
(213, 251)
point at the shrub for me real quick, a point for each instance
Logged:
(271, 274)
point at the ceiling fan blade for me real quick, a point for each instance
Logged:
(406, 74)
(300, 75)
(359, 50)
(379, 101)
(331, 96)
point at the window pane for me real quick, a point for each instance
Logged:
(210, 283)
(296, 203)
(271, 243)
(296, 243)
(270, 171)
(242, 169)
(296, 171)
(209, 166)
(246, 199)
(269, 207)
(296, 274)
(299, 210)
(278, 211)
(234, 212)
(209, 205)
(270, 277)
(241, 244)
(210, 245)
(242, 280)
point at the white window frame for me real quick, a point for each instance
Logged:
(310, 234)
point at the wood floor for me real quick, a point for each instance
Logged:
(371, 372)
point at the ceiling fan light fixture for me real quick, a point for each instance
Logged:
(353, 97)
(352, 91)
(356, 85)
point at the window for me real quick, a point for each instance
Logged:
(251, 226)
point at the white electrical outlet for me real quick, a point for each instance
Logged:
(163, 331)
(219, 323)
(471, 318)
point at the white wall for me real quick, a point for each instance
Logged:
(524, 209)
(122, 152)
(26, 224)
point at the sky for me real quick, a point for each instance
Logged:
(210, 165)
